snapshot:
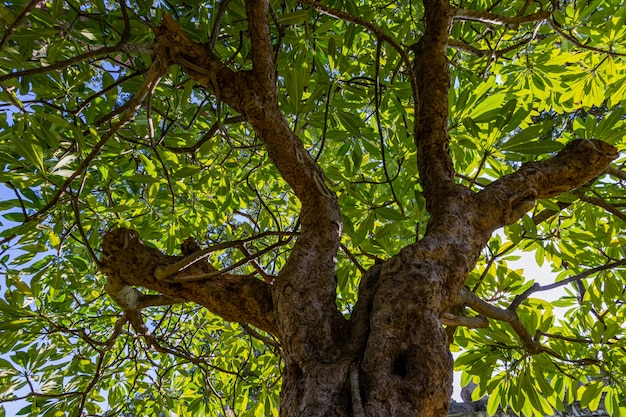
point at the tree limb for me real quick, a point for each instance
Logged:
(507, 199)
(470, 299)
(430, 130)
(129, 262)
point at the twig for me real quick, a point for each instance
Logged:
(603, 204)
(379, 127)
(266, 277)
(18, 20)
(156, 71)
(476, 322)
(616, 173)
(496, 19)
(353, 258)
(63, 64)
(343, 15)
(215, 31)
(578, 43)
(203, 277)
(257, 335)
(207, 136)
(161, 273)
(510, 316)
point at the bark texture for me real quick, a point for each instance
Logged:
(391, 358)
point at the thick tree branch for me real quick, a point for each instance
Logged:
(309, 273)
(263, 65)
(507, 199)
(430, 130)
(129, 262)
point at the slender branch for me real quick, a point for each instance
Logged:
(477, 322)
(156, 71)
(63, 64)
(18, 20)
(353, 258)
(617, 173)
(379, 127)
(207, 136)
(578, 43)
(575, 278)
(603, 204)
(213, 274)
(166, 271)
(470, 299)
(266, 340)
(380, 34)
(215, 31)
(266, 277)
(495, 53)
(566, 338)
(496, 19)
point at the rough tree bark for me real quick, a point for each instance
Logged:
(391, 358)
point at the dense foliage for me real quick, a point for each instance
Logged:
(80, 156)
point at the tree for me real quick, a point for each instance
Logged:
(213, 197)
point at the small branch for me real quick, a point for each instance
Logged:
(353, 258)
(215, 31)
(603, 204)
(547, 213)
(156, 71)
(617, 173)
(267, 340)
(578, 43)
(207, 136)
(206, 276)
(566, 338)
(18, 20)
(340, 14)
(161, 273)
(63, 64)
(266, 277)
(536, 288)
(496, 19)
(471, 300)
(379, 127)
(477, 322)
(497, 53)
(152, 300)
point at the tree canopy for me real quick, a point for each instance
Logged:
(204, 198)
